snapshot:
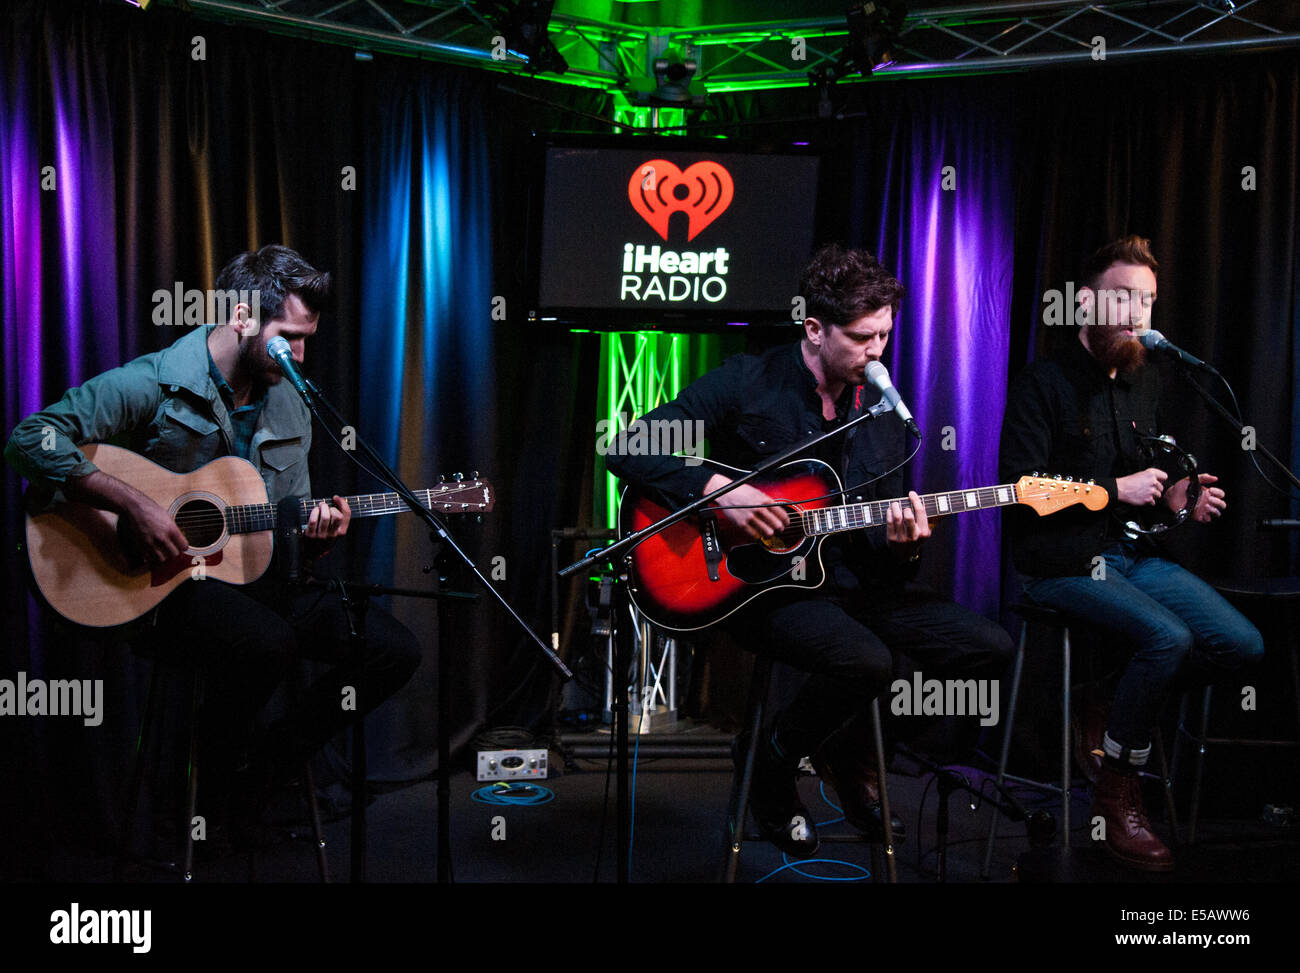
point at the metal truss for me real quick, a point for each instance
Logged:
(966, 39)
(642, 370)
(992, 37)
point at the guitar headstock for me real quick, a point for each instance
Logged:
(1048, 494)
(457, 495)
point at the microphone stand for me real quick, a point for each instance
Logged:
(620, 550)
(438, 533)
(1228, 417)
(1041, 824)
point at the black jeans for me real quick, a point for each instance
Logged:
(848, 643)
(244, 641)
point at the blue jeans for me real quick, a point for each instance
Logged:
(1183, 631)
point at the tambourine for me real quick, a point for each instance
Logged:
(1162, 519)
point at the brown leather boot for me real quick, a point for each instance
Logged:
(1118, 799)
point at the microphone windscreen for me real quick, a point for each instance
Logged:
(878, 375)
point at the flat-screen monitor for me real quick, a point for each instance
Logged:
(661, 232)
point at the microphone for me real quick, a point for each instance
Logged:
(278, 349)
(878, 375)
(288, 538)
(1155, 341)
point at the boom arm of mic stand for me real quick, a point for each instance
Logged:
(1227, 417)
(395, 482)
(615, 551)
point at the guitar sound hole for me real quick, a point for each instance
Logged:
(787, 539)
(201, 522)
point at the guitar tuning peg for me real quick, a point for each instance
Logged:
(1035, 473)
(458, 477)
(442, 477)
(473, 474)
(1069, 479)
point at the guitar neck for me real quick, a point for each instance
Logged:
(853, 516)
(246, 518)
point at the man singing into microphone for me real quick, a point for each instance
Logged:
(846, 632)
(216, 392)
(1082, 413)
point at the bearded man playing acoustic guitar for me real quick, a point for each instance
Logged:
(846, 632)
(216, 392)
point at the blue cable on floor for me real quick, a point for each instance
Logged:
(819, 861)
(514, 794)
(821, 785)
(794, 866)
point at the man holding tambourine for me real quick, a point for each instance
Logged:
(1093, 412)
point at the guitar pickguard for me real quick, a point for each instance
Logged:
(756, 564)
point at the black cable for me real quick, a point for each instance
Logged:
(604, 809)
(1241, 423)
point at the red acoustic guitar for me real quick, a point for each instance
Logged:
(703, 569)
(79, 565)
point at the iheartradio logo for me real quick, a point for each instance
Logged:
(658, 189)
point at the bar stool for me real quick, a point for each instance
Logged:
(1280, 594)
(736, 833)
(150, 729)
(1045, 616)
(1038, 614)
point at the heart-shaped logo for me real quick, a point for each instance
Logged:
(658, 189)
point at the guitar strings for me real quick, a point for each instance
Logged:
(213, 515)
(802, 518)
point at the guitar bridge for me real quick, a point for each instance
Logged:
(712, 546)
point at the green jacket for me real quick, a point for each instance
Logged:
(165, 407)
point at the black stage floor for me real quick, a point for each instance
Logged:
(677, 837)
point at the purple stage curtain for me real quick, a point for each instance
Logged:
(932, 194)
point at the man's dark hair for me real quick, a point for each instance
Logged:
(842, 285)
(1126, 250)
(275, 272)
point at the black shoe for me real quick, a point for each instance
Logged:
(857, 785)
(774, 800)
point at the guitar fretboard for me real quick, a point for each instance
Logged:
(852, 516)
(463, 497)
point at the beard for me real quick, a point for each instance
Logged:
(1114, 349)
(256, 365)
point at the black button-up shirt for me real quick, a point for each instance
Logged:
(1066, 416)
(755, 406)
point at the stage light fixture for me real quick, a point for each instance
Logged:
(674, 80)
(873, 30)
(523, 25)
